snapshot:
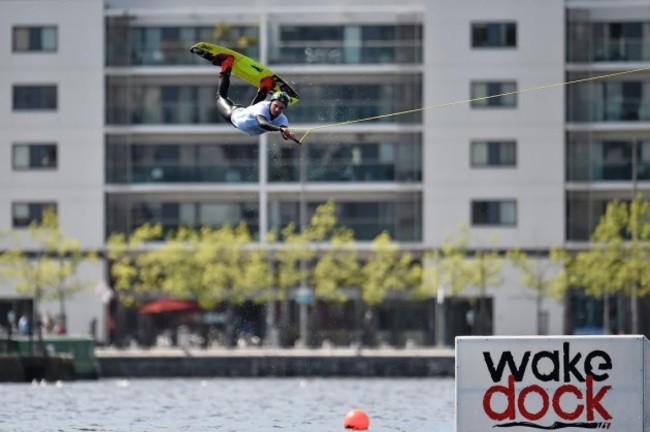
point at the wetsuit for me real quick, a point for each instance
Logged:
(255, 119)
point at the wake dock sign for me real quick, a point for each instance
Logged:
(565, 383)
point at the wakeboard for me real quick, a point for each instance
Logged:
(244, 67)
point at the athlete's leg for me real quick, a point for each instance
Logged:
(225, 105)
(265, 87)
(224, 76)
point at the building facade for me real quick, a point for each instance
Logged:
(129, 114)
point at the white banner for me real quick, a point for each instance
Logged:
(570, 383)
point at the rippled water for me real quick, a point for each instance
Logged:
(253, 404)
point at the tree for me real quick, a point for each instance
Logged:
(484, 272)
(125, 261)
(386, 270)
(293, 258)
(444, 272)
(50, 271)
(455, 271)
(213, 266)
(539, 273)
(431, 289)
(617, 257)
(337, 268)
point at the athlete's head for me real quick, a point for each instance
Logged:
(281, 96)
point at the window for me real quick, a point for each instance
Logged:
(494, 213)
(35, 97)
(34, 156)
(26, 213)
(493, 153)
(494, 35)
(35, 38)
(488, 90)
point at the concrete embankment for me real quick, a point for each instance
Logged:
(24, 368)
(264, 362)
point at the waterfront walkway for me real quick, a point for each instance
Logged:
(256, 362)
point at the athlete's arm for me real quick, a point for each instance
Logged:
(266, 125)
(288, 134)
(284, 130)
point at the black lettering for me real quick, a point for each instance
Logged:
(570, 364)
(554, 374)
(506, 358)
(606, 364)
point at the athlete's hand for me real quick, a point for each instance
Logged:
(289, 135)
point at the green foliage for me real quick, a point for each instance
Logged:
(210, 265)
(455, 270)
(291, 258)
(49, 272)
(126, 260)
(387, 269)
(618, 252)
(541, 275)
(485, 270)
(338, 267)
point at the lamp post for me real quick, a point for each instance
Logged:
(303, 294)
(440, 317)
(634, 303)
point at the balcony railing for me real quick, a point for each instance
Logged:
(609, 171)
(385, 52)
(621, 50)
(243, 173)
(618, 111)
(345, 172)
(187, 113)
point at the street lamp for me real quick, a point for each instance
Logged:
(634, 303)
(304, 293)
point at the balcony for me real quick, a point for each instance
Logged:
(609, 50)
(336, 53)
(244, 173)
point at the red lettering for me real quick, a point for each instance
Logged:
(521, 402)
(516, 404)
(557, 407)
(593, 402)
(509, 392)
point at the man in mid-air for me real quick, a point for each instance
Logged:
(261, 115)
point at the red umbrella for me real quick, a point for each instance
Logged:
(170, 305)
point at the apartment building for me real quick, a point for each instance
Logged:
(137, 138)
(52, 134)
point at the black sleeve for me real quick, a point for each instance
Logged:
(264, 123)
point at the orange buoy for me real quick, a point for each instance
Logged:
(356, 419)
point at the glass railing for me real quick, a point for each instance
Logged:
(181, 113)
(622, 50)
(179, 54)
(335, 53)
(244, 173)
(363, 231)
(337, 111)
(625, 111)
(165, 57)
(178, 113)
(366, 231)
(171, 226)
(607, 171)
(345, 172)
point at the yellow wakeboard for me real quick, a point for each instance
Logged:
(244, 67)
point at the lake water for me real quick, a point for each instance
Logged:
(226, 404)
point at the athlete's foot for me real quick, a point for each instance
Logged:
(267, 84)
(225, 62)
